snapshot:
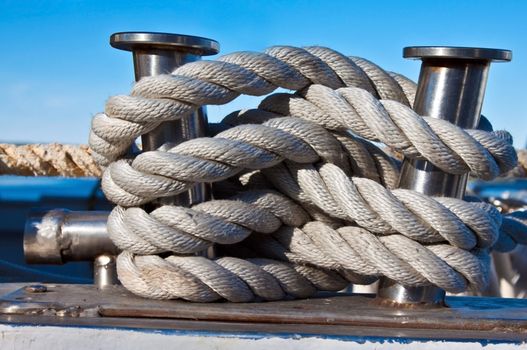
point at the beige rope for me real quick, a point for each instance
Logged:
(343, 222)
(161, 98)
(47, 160)
(448, 147)
(286, 148)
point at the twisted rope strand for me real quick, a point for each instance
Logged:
(199, 279)
(357, 250)
(382, 211)
(141, 183)
(456, 151)
(170, 97)
(47, 160)
(155, 174)
(366, 159)
(189, 230)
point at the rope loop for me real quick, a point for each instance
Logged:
(311, 199)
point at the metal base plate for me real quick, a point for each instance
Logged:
(480, 319)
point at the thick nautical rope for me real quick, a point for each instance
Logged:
(456, 151)
(464, 225)
(396, 256)
(199, 279)
(187, 230)
(190, 230)
(137, 288)
(357, 250)
(156, 173)
(171, 97)
(383, 211)
(486, 154)
(47, 160)
(301, 143)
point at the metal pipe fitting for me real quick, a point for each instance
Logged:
(162, 53)
(105, 271)
(451, 86)
(59, 236)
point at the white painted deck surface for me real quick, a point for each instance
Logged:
(84, 338)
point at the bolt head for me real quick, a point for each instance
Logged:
(36, 288)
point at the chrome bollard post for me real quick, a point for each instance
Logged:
(451, 86)
(162, 53)
(59, 236)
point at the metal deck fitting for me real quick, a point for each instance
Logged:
(467, 320)
(451, 86)
(162, 53)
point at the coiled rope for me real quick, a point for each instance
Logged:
(307, 146)
(317, 206)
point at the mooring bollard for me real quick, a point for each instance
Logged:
(451, 86)
(162, 53)
(85, 233)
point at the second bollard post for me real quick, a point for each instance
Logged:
(451, 86)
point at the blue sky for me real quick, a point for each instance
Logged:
(57, 68)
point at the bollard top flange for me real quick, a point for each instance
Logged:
(130, 41)
(469, 53)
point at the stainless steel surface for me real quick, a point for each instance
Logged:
(450, 89)
(470, 53)
(162, 53)
(391, 293)
(331, 313)
(60, 235)
(104, 271)
(131, 41)
(451, 86)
